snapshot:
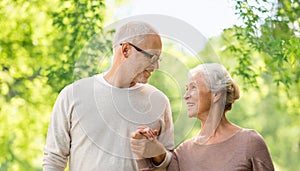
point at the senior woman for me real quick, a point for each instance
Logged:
(220, 144)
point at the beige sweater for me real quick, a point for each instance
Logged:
(245, 151)
(92, 121)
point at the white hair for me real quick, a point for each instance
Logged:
(133, 32)
(218, 79)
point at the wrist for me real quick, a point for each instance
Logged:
(157, 160)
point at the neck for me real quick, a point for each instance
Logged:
(223, 126)
(224, 131)
(119, 76)
(203, 117)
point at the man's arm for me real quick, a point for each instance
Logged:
(57, 147)
(166, 137)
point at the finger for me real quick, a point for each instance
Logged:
(148, 133)
(138, 135)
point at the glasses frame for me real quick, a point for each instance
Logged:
(152, 57)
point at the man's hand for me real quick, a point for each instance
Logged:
(144, 143)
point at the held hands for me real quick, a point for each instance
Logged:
(144, 143)
(144, 132)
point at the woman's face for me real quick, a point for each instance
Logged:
(197, 97)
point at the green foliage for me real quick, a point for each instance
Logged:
(274, 33)
(40, 42)
(24, 52)
(77, 21)
(95, 56)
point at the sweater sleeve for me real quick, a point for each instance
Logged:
(57, 148)
(260, 158)
(166, 136)
(174, 164)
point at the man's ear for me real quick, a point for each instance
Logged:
(125, 54)
(125, 50)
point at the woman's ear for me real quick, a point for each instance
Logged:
(216, 96)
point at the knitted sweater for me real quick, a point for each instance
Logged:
(92, 121)
(244, 151)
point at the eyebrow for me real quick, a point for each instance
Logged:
(190, 84)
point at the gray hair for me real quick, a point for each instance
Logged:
(218, 79)
(133, 32)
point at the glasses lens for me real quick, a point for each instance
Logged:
(154, 58)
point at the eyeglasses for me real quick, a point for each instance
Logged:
(153, 58)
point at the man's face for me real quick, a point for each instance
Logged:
(143, 76)
(152, 46)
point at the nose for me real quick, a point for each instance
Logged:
(186, 95)
(155, 65)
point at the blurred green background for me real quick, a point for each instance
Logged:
(45, 45)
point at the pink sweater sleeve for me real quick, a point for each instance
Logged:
(174, 166)
(259, 155)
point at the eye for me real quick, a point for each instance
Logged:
(191, 88)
